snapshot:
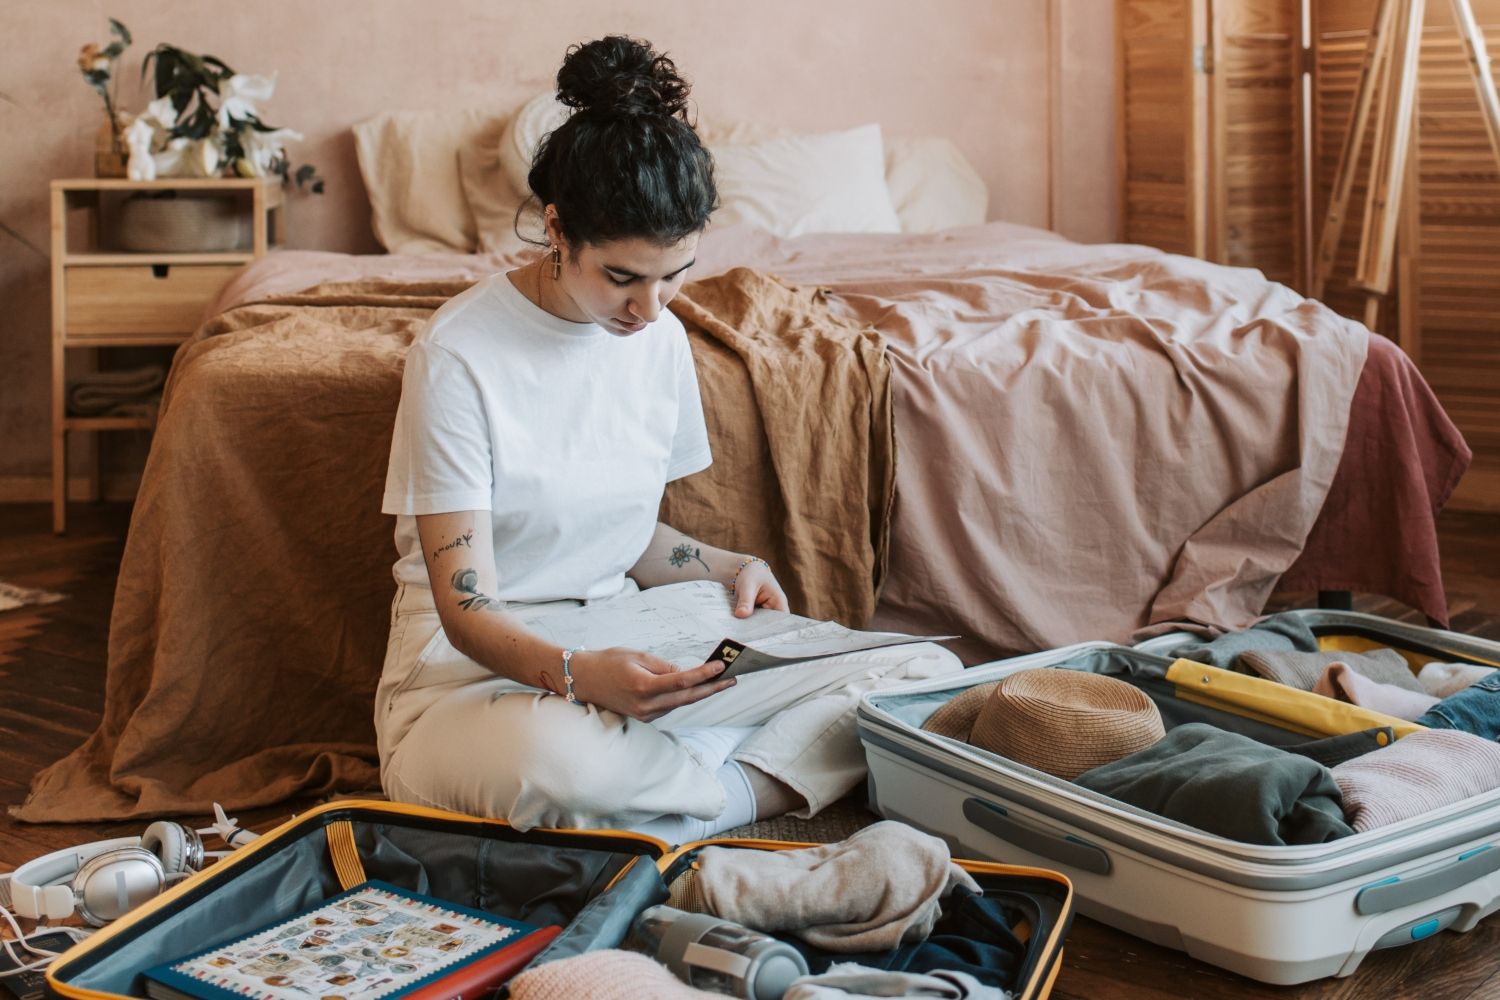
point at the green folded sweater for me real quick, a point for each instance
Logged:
(1228, 784)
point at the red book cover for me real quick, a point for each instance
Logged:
(473, 980)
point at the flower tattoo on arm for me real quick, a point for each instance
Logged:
(466, 581)
(681, 554)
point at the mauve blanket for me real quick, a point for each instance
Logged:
(1094, 441)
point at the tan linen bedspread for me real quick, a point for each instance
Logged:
(251, 615)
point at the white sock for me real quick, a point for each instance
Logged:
(712, 745)
(739, 809)
(739, 797)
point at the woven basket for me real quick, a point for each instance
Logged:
(182, 225)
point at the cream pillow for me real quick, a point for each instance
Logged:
(828, 183)
(716, 133)
(410, 164)
(491, 197)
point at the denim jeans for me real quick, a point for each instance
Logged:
(1475, 709)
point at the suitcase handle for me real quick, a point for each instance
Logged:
(1396, 892)
(1068, 850)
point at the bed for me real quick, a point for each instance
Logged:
(957, 427)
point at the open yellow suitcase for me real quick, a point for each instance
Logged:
(590, 882)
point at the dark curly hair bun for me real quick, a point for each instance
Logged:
(621, 76)
(627, 162)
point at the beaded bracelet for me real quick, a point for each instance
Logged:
(568, 673)
(741, 568)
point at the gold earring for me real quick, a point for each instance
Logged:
(556, 259)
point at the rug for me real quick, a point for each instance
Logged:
(839, 820)
(12, 596)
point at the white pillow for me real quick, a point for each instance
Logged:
(540, 115)
(828, 183)
(544, 113)
(767, 176)
(933, 185)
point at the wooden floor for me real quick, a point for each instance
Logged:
(52, 692)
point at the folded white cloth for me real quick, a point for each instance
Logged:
(1341, 683)
(1442, 680)
(849, 981)
(1415, 775)
(873, 891)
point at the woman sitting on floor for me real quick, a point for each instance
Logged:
(542, 414)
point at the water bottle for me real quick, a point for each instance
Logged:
(718, 955)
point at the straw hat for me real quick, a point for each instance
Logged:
(1055, 720)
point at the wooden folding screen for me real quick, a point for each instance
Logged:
(1209, 94)
(1163, 123)
(1212, 164)
(1446, 313)
(1456, 308)
(1256, 134)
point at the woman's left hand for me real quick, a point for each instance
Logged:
(755, 586)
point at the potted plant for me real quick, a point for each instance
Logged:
(204, 121)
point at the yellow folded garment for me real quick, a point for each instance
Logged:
(1277, 704)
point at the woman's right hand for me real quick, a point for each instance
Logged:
(640, 685)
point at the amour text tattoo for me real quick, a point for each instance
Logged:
(464, 540)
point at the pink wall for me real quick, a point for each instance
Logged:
(978, 71)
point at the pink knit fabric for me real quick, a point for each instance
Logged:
(1344, 683)
(1415, 775)
(604, 975)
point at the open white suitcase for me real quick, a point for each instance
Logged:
(1284, 914)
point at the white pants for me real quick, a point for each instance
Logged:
(454, 736)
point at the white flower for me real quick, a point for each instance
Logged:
(169, 160)
(262, 149)
(185, 157)
(239, 95)
(160, 113)
(205, 157)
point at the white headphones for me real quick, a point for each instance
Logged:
(104, 880)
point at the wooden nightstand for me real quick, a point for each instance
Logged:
(105, 297)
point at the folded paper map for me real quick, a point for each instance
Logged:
(690, 623)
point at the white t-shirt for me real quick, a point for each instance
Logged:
(565, 432)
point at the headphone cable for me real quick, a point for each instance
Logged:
(21, 938)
